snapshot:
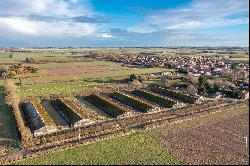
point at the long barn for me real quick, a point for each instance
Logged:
(38, 119)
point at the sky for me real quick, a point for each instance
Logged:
(123, 23)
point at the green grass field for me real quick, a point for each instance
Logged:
(54, 88)
(136, 148)
(91, 75)
(9, 140)
(40, 86)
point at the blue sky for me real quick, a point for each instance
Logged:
(116, 23)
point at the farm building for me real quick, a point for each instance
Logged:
(111, 108)
(136, 103)
(160, 100)
(177, 95)
(38, 119)
(73, 115)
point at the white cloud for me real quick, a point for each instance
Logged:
(105, 35)
(45, 7)
(16, 18)
(19, 25)
(200, 14)
(39, 28)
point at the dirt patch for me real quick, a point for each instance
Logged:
(219, 141)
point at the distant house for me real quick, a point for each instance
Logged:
(244, 95)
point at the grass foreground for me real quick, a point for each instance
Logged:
(136, 148)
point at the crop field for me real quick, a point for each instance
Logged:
(133, 149)
(215, 139)
(71, 71)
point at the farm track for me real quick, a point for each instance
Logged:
(113, 128)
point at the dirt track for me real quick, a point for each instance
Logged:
(209, 141)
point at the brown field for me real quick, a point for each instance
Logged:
(83, 69)
(215, 139)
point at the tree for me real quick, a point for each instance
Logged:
(133, 77)
(191, 89)
(34, 69)
(202, 84)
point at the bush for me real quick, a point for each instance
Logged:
(133, 77)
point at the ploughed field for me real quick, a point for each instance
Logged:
(48, 116)
(212, 140)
